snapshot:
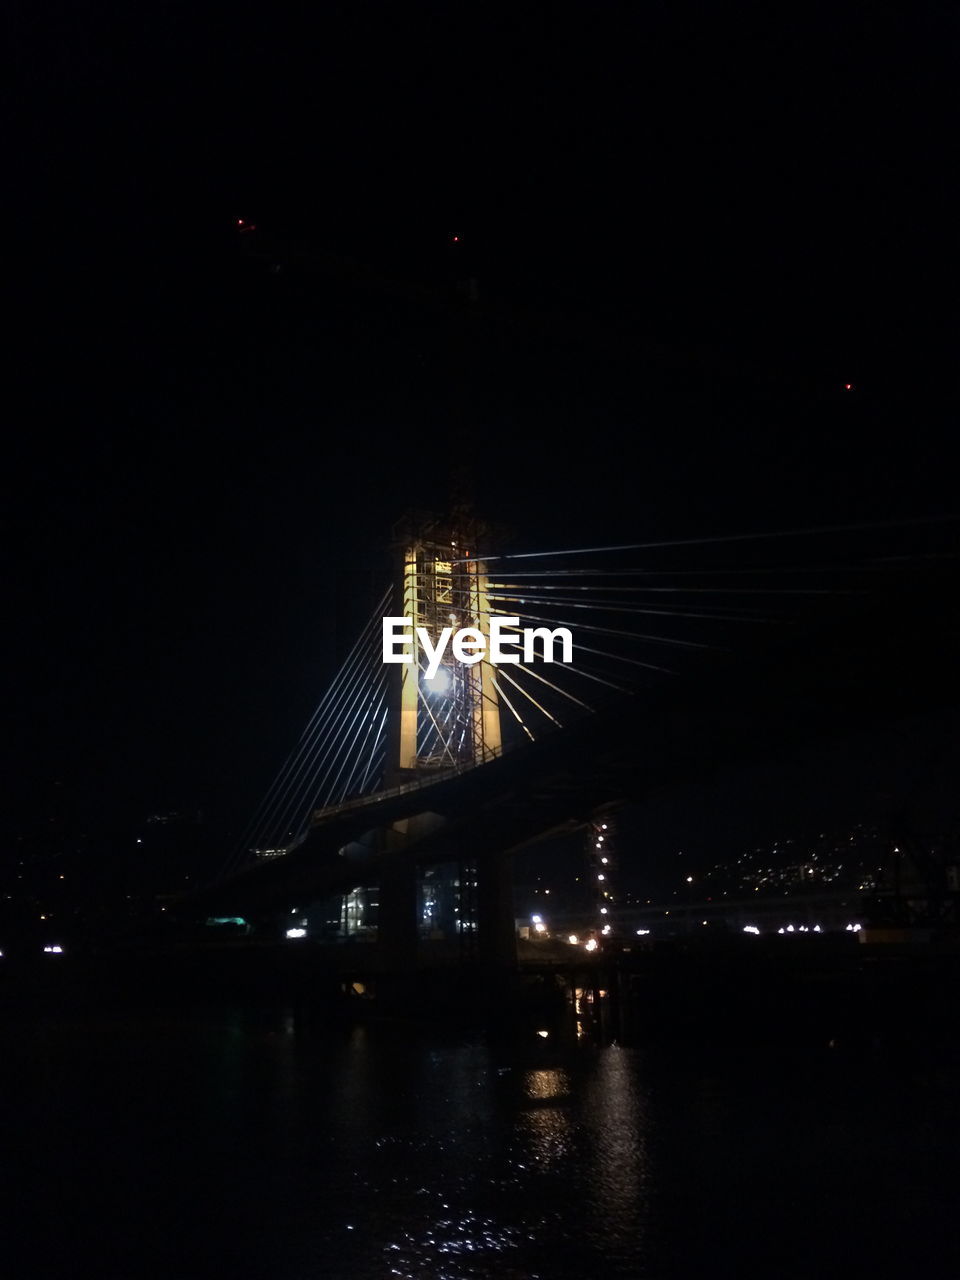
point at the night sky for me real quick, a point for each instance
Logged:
(689, 227)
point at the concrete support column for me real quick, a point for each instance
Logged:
(398, 932)
(496, 925)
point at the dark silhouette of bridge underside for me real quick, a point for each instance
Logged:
(869, 663)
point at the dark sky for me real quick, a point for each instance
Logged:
(690, 226)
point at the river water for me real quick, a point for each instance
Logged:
(233, 1141)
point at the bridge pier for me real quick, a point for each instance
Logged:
(399, 925)
(496, 921)
(400, 941)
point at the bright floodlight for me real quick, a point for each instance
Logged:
(439, 682)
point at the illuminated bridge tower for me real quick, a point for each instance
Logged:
(440, 724)
(451, 719)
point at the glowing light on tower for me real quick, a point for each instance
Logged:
(439, 682)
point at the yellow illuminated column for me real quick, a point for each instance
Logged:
(409, 672)
(486, 709)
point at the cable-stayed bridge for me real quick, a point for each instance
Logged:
(413, 783)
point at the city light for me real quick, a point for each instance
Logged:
(296, 933)
(573, 940)
(750, 928)
(642, 932)
(591, 944)
(54, 951)
(540, 928)
(536, 919)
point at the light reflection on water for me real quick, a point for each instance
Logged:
(258, 1145)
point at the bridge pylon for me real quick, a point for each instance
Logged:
(451, 719)
(442, 724)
